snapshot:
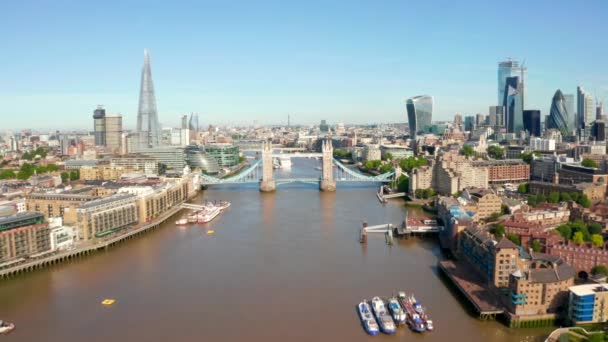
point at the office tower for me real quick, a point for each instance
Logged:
(598, 130)
(323, 127)
(184, 121)
(558, 115)
(469, 123)
(288, 120)
(584, 107)
(193, 124)
(148, 127)
(497, 116)
(599, 111)
(99, 126)
(419, 113)
(458, 120)
(570, 103)
(506, 69)
(532, 122)
(479, 120)
(514, 104)
(64, 144)
(113, 134)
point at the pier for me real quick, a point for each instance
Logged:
(486, 304)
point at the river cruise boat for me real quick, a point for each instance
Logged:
(6, 327)
(414, 321)
(367, 319)
(181, 222)
(224, 205)
(208, 213)
(285, 162)
(385, 321)
(397, 311)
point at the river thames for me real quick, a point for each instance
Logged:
(284, 266)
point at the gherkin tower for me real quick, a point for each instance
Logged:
(148, 127)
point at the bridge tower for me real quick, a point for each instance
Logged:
(267, 183)
(327, 178)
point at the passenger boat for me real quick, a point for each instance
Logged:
(385, 321)
(208, 213)
(192, 218)
(224, 205)
(420, 310)
(397, 311)
(285, 162)
(367, 319)
(181, 222)
(413, 318)
(6, 327)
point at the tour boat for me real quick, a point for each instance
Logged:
(6, 327)
(396, 311)
(181, 222)
(385, 321)
(224, 205)
(285, 162)
(192, 218)
(208, 213)
(367, 319)
(413, 318)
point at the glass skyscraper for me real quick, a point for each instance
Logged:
(514, 104)
(584, 108)
(419, 113)
(99, 126)
(509, 68)
(532, 122)
(558, 115)
(570, 103)
(148, 127)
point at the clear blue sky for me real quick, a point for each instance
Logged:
(240, 61)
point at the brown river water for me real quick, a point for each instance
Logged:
(285, 266)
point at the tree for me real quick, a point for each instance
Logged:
(589, 163)
(597, 240)
(7, 174)
(553, 197)
(372, 164)
(386, 168)
(523, 188)
(403, 183)
(410, 163)
(535, 246)
(565, 231)
(541, 198)
(575, 196)
(65, 177)
(388, 156)
(514, 238)
(527, 157)
(74, 175)
(578, 226)
(496, 152)
(532, 200)
(578, 238)
(467, 151)
(584, 201)
(564, 197)
(595, 228)
(600, 269)
(504, 209)
(498, 231)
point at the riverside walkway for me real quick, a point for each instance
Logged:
(88, 248)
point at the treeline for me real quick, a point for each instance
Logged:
(27, 170)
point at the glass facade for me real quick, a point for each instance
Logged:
(559, 117)
(514, 104)
(197, 158)
(532, 122)
(506, 69)
(148, 127)
(99, 126)
(226, 155)
(419, 113)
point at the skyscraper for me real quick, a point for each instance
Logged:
(419, 113)
(99, 126)
(148, 127)
(497, 116)
(570, 103)
(184, 121)
(558, 115)
(514, 104)
(509, 68)
(113, 134)
(469, 123)
(584, 107)
(532, 122)
(193, 124)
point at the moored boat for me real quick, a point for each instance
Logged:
(224, 205)
(367, 319)
(208, 213)
(413, 318)
(6, 327)
(429, 325)
(192, 218)
(397, 311)
(385, 321)
(181, 222)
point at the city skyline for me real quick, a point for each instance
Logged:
(249, 65)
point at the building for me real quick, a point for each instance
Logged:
(23, 235)
(505, 171)
(598, 130)
(113, 133)
(146, 165)
(324, 127)
(62, 205)
(532, 122)
(541, 144)
(62, 237)
(514, 104)
(172, 157)
(480, 120)
(371, 152)
(155, 201)
(198, 159)
(421, 178)
(506, 69)
(99, 126)
(419, 113)
(397, 151)
(103, 172)
(559, 118)
(570, 104)
(469, 123)
(193, 123)
(588, 303)
(226, 155)
(585, 107)
(582, 257)
(105, 216)
(544, 169)
(484, 202)
(496, 117)
(572, 174)
(148, 128)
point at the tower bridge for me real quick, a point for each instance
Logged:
(261, 171)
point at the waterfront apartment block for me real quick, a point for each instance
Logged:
(140, 164)
(505, 171)
(22, 235)
(62, 205)
(106, 215)
(582, 257)
(484, 202)
(154, 201)
(588, 303)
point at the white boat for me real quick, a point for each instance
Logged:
(181, 222)
(285, 162)
(208, 213)
(192, 218)
(6, 327)
(384, 319)
(367, 319)
(224, 205)
(396, 311)
(429, 325)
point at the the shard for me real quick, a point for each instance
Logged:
(148, 128)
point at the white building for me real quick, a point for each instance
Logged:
(62, 237)
(541, 144)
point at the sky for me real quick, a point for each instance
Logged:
(236, 62)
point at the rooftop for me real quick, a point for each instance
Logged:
(587, 289)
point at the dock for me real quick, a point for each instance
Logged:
(474, 288)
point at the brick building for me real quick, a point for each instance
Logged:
(22, 235)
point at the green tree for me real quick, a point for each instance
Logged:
(496, 152)
(74, 175)
(536, 247)
(597, 240)
(403, 183)
(564, 197)
(553, 197)
(527, 157)
(388, 156)
(584, 201)
(498, 231)
(7, 174)
(410, 163)
(600, 269)
(565, 231)
(541, 198)
(578, 226)
(596, 337)
(504, 209)
(595, 228)
(523, 188)
(65, 177)
(575, 196)
(533, 200)
(589, 163)
(467, 150)
(578, 238)
(386, 168)
(514, 238)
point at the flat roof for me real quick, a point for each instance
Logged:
(18, 217)
(587, 289)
